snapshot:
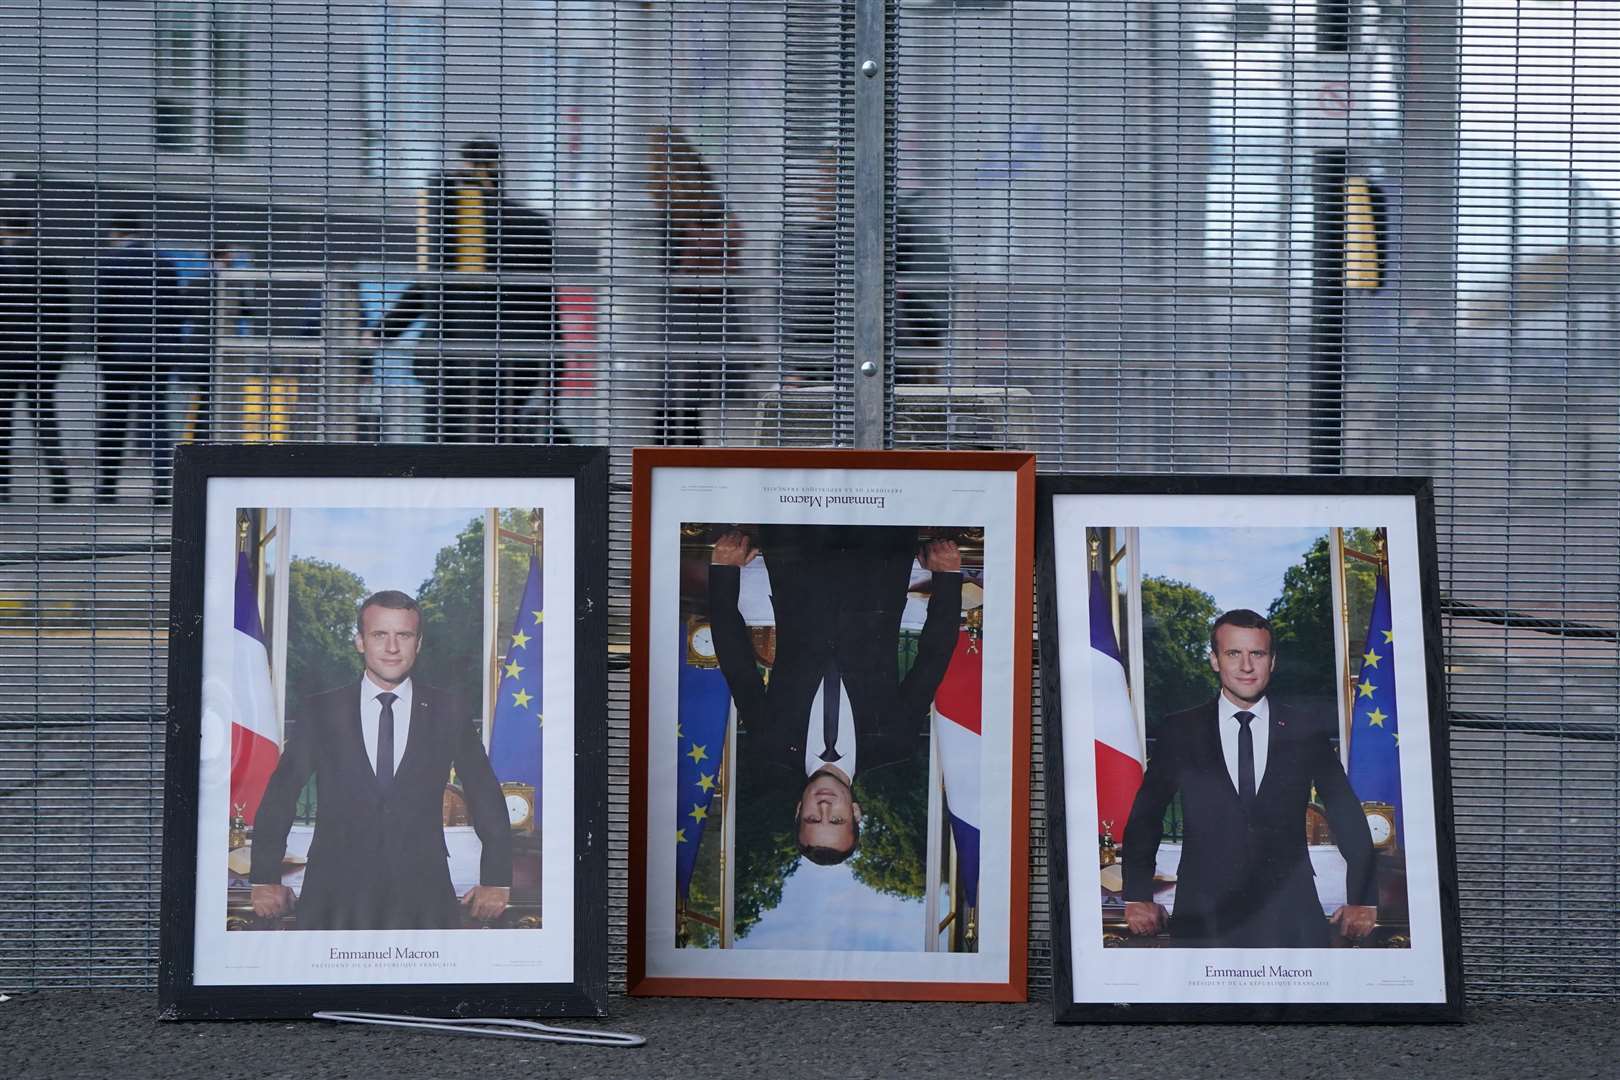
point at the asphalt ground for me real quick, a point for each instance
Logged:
(116, 1034)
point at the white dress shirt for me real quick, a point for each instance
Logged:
(846, 734)
(1259, 727)
(371, 709)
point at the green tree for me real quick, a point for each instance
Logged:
(894, 829)
(322, 599)
(1302, 630)
(452, 600)
(766, 847)
(1176, 618)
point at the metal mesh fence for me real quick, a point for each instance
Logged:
(1255, 237)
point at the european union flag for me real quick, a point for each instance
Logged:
(700, 729)
(514, 744)
(1375, 740)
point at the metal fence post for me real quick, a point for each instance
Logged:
(871, 26)
(1329, 174)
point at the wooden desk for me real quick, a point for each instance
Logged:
(1392, 931)
(523, 912)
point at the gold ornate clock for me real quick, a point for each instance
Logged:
(1381, 823)
(700, 644)
(519, 805)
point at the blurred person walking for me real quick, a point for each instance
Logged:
(195, 332)
(137, 307)
(811, 283)
(35, 314)
(473, 228)
(701, 243)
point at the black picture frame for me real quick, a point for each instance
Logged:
(585, 993)
(1066, 971)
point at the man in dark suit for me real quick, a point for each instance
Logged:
(835, 703)
(1245, 768)
(381, 752)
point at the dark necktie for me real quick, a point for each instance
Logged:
(1245, 759)
(829, 712)
(385, 741)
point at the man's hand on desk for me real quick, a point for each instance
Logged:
(272, 901)
(1355, 921)
(1145, 917)
(486, 901)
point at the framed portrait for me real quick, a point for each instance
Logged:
(387, 732)
(830, 724)
(1245, 743)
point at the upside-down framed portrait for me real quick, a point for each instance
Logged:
(830, 723)
(386, 745)
(1247, 783)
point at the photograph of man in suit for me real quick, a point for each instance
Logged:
(835, 703)
(381, 751)
(1245, 767)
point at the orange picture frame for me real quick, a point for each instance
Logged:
(1011, 535)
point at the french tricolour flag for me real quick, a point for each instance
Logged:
(1119, 751)
(959, 705)
(255, 742)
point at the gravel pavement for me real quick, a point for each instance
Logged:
(115, 1034)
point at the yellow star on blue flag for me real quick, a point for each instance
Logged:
(514, 744)
(1375, 764)
(702, 713)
